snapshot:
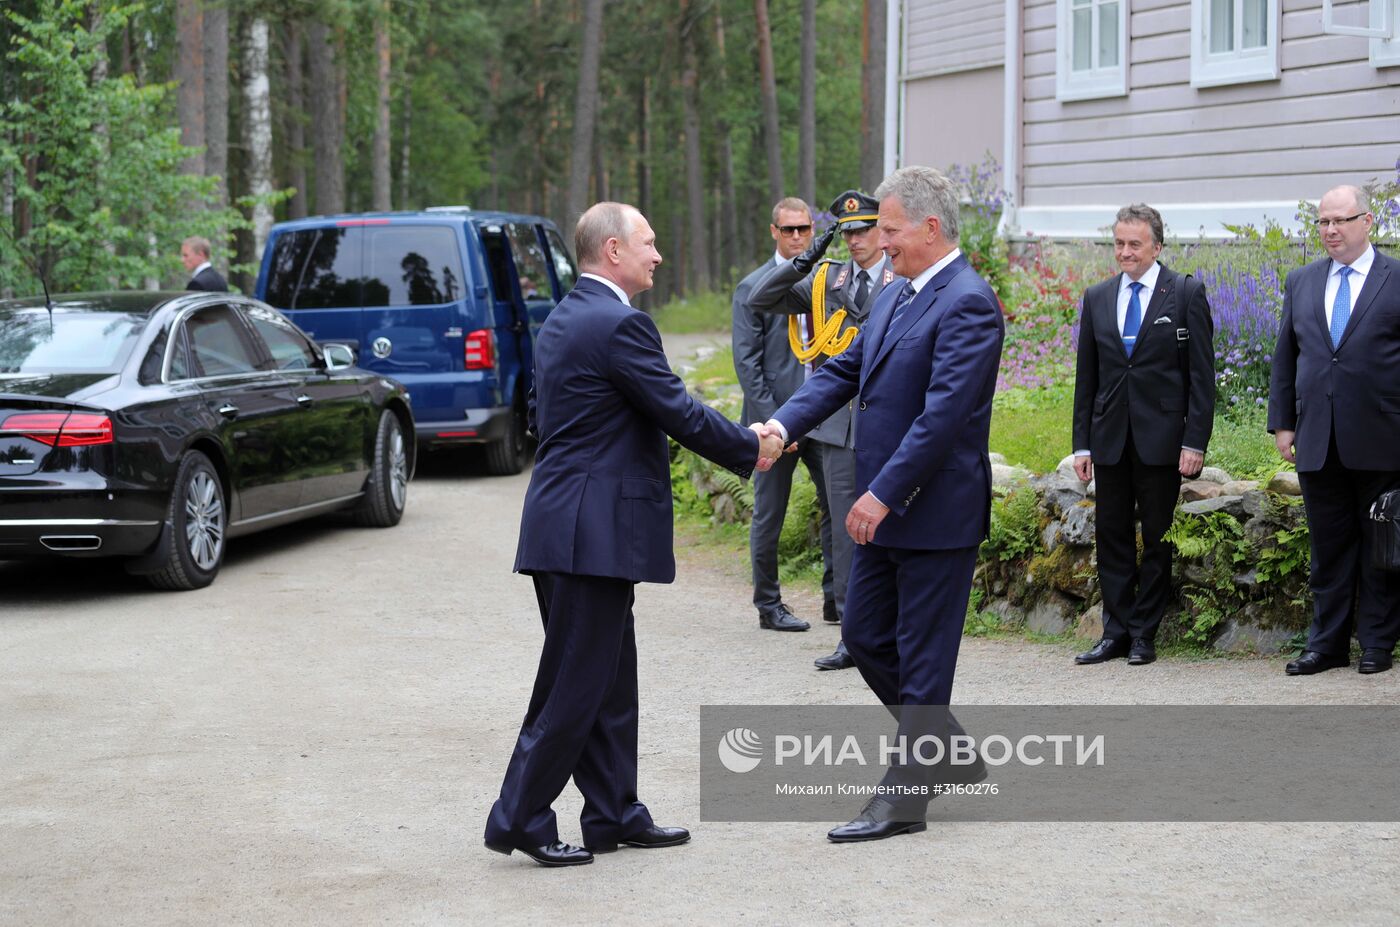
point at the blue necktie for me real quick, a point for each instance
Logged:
(1341, 306)
(1133, 321)
(906, 296)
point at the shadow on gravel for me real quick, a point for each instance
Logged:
(453, 464)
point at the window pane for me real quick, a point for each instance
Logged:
(316, 269)
(218, 344)
(1081, 40)
(563, 267)
(1255, 33)
(32, 342)
(288, 349)
(412, 265)
(1108, 35)
(1222, 26)
(530, 264)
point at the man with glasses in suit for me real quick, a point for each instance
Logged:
(1334, 411)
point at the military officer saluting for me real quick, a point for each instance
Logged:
(836, 297)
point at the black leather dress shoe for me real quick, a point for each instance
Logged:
(653, 838)
(1141, 652)
(1374, 660)
(829, 612)
(780, 618)
(876, 821)
(1102, 652)
(1313, 661)
(839, 660)
(553, 854)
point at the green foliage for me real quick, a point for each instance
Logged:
(1218, 541)
(1031, 426)
(703, 312)
(94, 162)
(1014, 533)
(979, 622)
(1241, 445)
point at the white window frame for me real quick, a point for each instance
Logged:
(1385, 52)
(1241, 66)
(1096, 83)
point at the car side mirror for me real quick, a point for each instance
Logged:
(338, 356)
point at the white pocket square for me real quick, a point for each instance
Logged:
(1163, 320)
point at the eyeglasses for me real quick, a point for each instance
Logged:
(794, 229)
(1324, 223)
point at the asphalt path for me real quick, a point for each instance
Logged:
(317, 738)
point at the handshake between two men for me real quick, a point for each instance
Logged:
(863, 518)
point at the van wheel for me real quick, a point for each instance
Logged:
(199, 518)
(386, 491)
(509, 455)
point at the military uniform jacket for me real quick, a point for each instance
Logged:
(782, 290)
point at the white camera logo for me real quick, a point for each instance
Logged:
(740, 750)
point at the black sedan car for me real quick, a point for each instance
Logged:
(156, 426)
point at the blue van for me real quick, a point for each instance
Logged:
(447, 301)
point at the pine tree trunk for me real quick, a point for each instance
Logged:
(257, 129)
(768, 96)
(325, 120)
(295, 80)
(405, 150)
(380, 157)
(732, 238)
(807, 120)
(644, 147)
(872, 97)
(694, 176)
(189, 79)
(585, 109)
(216, 98)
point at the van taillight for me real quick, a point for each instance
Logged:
(479, 349)
(61, 429)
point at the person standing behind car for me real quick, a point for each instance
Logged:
(194, 254)
(848, 287)
(769, 373)
(1144, 404)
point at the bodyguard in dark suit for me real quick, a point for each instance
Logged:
(850, 287)
(768, 374)
(194, 254)
(597, 520)
(1334, 410)
(922, 372)
(1144, 403)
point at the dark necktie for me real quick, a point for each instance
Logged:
(862, 289)
(906, 296)
(1341, 306)
(1133, 321)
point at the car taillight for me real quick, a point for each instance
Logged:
(479, 349)
(61, 429)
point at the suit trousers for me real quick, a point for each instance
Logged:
(770, 501)
(1134, 597)
(581, 721)
(839, 469)
(1347, 590)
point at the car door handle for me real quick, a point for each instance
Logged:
(303, 400)
(228, 410)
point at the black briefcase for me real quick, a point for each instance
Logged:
(1385, 531)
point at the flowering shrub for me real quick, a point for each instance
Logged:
(982, 198)
(1042, 317)
(1245, 305)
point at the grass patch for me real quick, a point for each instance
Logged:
(1032, 427)
(1241, 445)
(695, 315)
(715, 370)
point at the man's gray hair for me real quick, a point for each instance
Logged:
(1141, 212)
(598, 223)
(791, 204)
(199, 245)
(924, 192)
(1363, 202)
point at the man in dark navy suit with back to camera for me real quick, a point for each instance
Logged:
(1334, 410)
(596, 521)
(922, 372)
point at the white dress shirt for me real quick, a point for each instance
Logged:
(610, 285)
(200, 269)
(1125, 293)
(1359, 269)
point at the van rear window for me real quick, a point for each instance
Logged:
(412, 265)
(316, 269)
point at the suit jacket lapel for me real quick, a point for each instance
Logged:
(1107, 311)
(1316, 296)
(1375, 280)
(921, 303)
(1158, 305)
